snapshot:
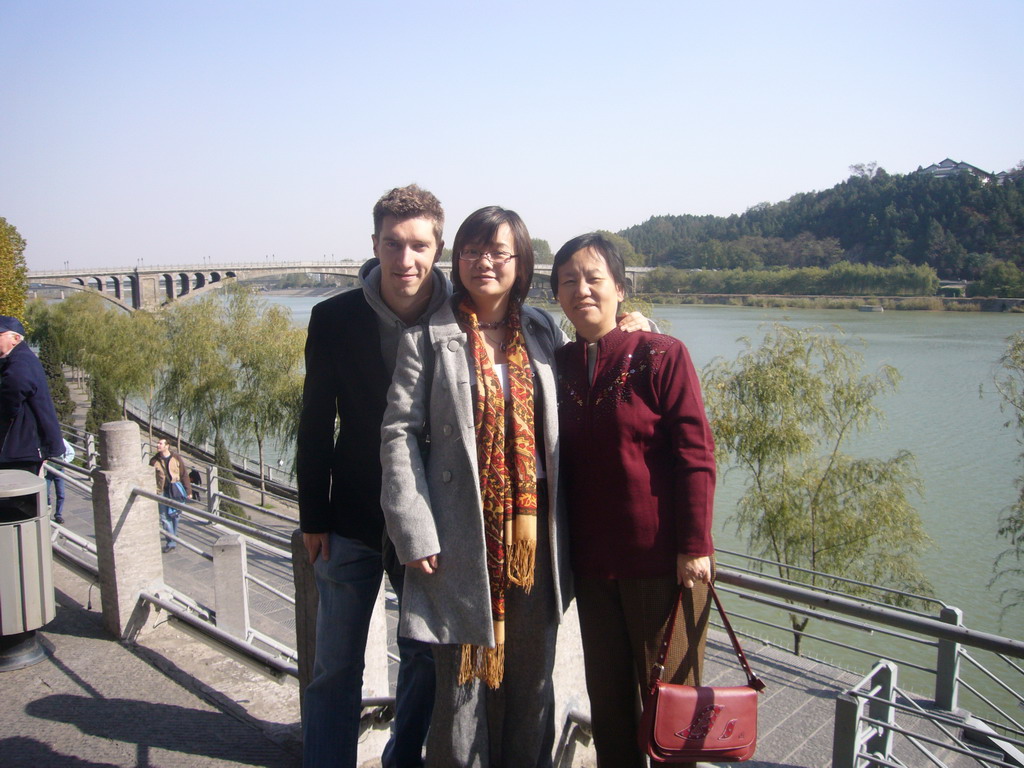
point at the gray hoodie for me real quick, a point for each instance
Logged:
(391, 327)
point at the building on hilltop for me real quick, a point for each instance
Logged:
(951, 168)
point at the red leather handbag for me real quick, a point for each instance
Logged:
(689, 724)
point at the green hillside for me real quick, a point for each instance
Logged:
(963, 225)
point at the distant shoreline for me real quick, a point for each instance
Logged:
(894, 303)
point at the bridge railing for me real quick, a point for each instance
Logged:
(879, 724)
(945, 661)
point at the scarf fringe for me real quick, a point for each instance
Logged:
(521, 559)
(486, 664)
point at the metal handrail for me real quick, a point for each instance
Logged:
(830, 577)
(821, 638)
(848, 607)
(256, 532)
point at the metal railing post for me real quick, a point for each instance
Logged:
(845, 730)
(880, 742)
(947, 666)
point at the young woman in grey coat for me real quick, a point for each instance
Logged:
(487, 576)
(472, 504)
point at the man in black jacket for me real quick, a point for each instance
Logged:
(350, 356)
(29, 431)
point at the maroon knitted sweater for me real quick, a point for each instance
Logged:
(637, 456)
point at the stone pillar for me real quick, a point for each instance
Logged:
(150, 296)
(127, 530)
(231, 588)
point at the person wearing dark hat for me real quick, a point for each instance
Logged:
(29, 431)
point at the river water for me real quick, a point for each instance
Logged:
(945, 412)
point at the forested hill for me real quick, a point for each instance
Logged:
(957, 224)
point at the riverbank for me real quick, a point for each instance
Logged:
(897, 303)
(893, 303)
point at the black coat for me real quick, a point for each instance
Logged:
(29, 430)
(346, 378)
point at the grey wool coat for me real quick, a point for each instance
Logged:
(431, 493)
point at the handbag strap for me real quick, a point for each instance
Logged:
(659, 666)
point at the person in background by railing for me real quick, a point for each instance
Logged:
(55, 480)
(639, 470)
(29, 431)
(197, 482)
(172, 481)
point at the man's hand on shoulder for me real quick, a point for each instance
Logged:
(635, 321)
(317, 544)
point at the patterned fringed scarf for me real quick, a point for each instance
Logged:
(508, 483)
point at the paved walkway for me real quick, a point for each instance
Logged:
(175, 701)
(171, 701)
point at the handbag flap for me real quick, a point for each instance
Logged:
(711, 720)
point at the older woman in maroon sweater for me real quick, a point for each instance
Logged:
(637, 458)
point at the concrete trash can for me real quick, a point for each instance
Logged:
(26, 568)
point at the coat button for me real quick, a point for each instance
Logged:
(447, 429)
(446, 476)
(453, 346)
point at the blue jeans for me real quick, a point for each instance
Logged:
(58, 493)
(169, 522)
(348, 584)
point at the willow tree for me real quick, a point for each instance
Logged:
(198, 383)
(782, 414)
(266, 349)
(197, 378)
(13, 271)
(1009, 565)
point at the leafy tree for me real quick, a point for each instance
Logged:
(542, 251)
(864, 170)
(103, 407)
(626, 249)
(13, 271)
(73, 326)
(144, 360)
(999, 278)
(782, 414)
(123, 350)
(1009, 566)
(226, 479)
(266, 350)
(195, 365)
(201, 374)
(871, 218)
(59, 391)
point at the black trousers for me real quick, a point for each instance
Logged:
(622, 624)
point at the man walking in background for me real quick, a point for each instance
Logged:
(350, 356)
(29, 431)
(172, 481)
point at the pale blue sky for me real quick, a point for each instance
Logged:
(176, 131)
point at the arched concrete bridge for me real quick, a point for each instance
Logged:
(152, 287)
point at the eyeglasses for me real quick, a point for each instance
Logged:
(497, 258)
